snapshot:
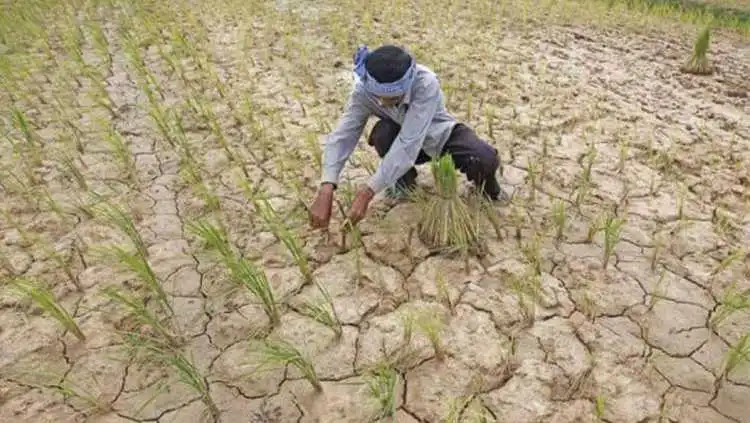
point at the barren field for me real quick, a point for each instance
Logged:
(157, 159)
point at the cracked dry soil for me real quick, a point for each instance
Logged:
(632, 342)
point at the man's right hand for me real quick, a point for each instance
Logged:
(320, 212)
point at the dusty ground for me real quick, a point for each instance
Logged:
(629, 343)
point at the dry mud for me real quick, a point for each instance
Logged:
(628, 343)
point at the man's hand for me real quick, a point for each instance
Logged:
(360, 204)
(320, 212)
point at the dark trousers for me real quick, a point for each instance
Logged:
(472, 156)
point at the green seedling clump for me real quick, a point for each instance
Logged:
(446, 222)
(699, 63)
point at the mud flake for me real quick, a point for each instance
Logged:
(670, 286)
(353, 298)
(228, 328)
(387, 331)
(628, 397)
(167, 257)
(524, 398)
(563, 348)
(731, 401)
(329, 355)
(189, 315)
(711, 355)
(423, 281)
(684, 372)
(185, 282)
(433, 384)
(678, 329)
(690, 407)
(284, 282)
(196, 411)
(38, 406)
(99, 374)
(21, 335)
(469, 328)
(150, 403)
(347, 401)
(613, 339)
(241, 365)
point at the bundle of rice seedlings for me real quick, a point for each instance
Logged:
(698, 63)
(447, 223)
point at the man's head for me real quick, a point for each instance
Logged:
(390, 66)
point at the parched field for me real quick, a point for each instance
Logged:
(157, 159)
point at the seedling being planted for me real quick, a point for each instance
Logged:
(698, 63)
(279, 352)
(446, 222)
(45, 300)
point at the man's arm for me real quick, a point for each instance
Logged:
(405, 148)
(342, 141)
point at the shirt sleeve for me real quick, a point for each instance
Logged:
(342, 141)
(405, 148)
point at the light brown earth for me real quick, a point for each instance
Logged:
(628, 343)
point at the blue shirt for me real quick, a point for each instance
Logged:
(425, 125)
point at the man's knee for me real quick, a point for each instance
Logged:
(382, 135)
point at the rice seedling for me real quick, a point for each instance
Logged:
(95, 405)
(115, 217)
(139, 265)
(188, 373)
(446, 222)
(442, 292)
(382, 381)
(559, 219)
(623, 156)
(527, 288)
(732, 301)
(139, 309)
(698, 63)
(324, 312)
(738, 355)
(735, 255)
(431, 326)
(191, 174)
(122, 154)
(659, 291)
(532, 252)
(280, 352)
(585, 179)
(242, 272)
(282, 232)
(531, 177)
(71, 171)
(44, 299)
(612, 231)
(600, 404)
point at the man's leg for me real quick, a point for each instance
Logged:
(381, 137)
(475, 158)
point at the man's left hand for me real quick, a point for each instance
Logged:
(360, 204)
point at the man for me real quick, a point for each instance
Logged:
(414, 127)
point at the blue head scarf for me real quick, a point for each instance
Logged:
(388, 89)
